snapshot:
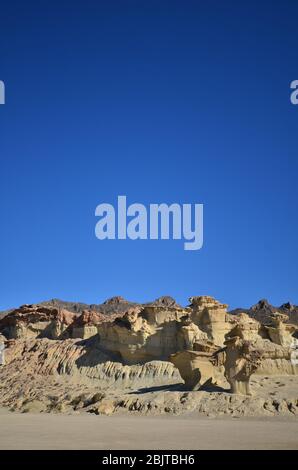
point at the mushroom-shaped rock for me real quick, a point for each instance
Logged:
(196, 368)
(242, 359)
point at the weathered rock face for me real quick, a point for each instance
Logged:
(279, 332)
(165, 301)
(255, 348)
(143, 346)
(196, 369)
(248, 347)
(61, 326)
(162, 328)
(263, 310)
(246, 328)
(85, 325)
(2, 350)
(157, 332)
(158, 315)
(152, 333)
(291, 311)
(207, 316)
(242, 359)
(84, 363)
(31, 321)
(200, 369)
(34, 321)
(276, 359)
(113, 305)
(189, 333)
(129, 337)
(211, 317)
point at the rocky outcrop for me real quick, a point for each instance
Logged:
(247, 351)
(188, 333)
(129, 338)
(200, 369)
(83, 362)
(263, 310)
(61, 325)
(38, 321)
(2, 350)
(248, 347)
(31, 321)
(160, 329)
(134, 346)
(165, 301)
(242, 359)
(85, 325)
(246, 328)
(75, 376)
(153, 332)
(211, 317)
(279, 332)
(113, 305)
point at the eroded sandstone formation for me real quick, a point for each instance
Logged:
(249, 347)
(158, 330)
(85, 325)
(211, 316)
(189, 333)
(242, 359)
(279, 332)
(39, 321)
(200, 368)
(31, 321)
(147, 345)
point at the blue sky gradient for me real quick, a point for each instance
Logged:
(162, 101)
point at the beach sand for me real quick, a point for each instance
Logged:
(86, 431)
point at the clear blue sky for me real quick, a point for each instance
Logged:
(163, 101)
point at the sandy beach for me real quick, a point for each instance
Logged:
(85, 431)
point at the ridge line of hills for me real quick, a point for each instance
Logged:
(260, 311)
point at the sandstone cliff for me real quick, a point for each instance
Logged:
(160, 348)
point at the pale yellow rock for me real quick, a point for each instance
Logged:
(281, 333)
(46, 369)
(196, 368)
(245, 327)
(105, 408)
(211, 317)
(188, 334)
(242, 359)
(84, 332)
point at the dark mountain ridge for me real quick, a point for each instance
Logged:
(115, 304)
